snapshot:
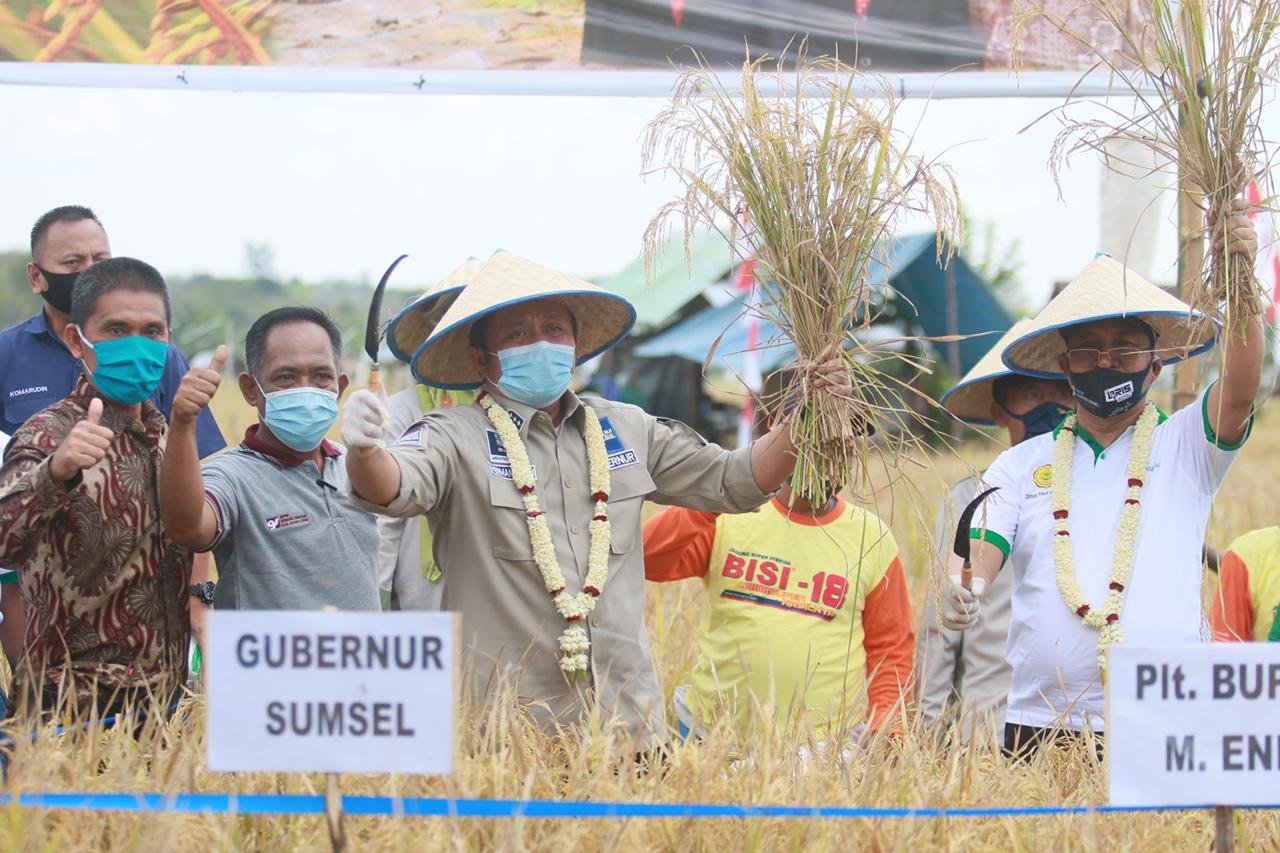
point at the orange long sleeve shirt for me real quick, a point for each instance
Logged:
(800, 607)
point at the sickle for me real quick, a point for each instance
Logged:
(963, 540)
(373, 326)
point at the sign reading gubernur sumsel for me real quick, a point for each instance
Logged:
(1194, 724)
(332, 692)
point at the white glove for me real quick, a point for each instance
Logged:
(960, 606)
(363, 419)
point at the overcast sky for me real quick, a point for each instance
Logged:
(338, 185)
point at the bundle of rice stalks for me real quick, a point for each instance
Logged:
(810, 161)
(1208, 62)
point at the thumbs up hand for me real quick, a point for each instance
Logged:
(197, 389)
(84, 447)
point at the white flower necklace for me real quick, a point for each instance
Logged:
(574, 642)
(1107, 619)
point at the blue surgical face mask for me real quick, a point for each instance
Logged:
(1043, 418)
(128, 369)
(300, 417)
(536, 374)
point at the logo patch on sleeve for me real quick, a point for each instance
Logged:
(412, 438)
(620, 456)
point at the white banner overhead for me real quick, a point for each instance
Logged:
(1194, 725)
(435, 81)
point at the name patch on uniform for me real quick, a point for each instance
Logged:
(412, 438)
(34, 389)
(288, 519)
(499, 462)
(620, 456)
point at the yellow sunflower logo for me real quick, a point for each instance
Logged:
(1043, 476)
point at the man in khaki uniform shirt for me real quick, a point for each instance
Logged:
(534, 326)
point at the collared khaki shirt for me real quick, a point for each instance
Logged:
(454, 470)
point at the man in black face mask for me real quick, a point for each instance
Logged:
(962, 677)
(36, 368)
(1104, 523)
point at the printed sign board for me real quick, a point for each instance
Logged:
(332, 692)
(1194, 724)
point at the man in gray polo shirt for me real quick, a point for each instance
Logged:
(274, 510)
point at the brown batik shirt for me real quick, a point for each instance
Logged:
(105, 590)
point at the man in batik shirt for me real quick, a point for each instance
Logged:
(105, 590)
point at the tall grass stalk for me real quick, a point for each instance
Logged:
(821, 180)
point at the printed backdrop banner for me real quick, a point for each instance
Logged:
(879, 35)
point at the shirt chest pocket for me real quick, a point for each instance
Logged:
(628, 488)
(18, 409)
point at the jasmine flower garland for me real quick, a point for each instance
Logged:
(1107, 619)
(574, 642)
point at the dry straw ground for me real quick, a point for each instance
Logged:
(502, 757)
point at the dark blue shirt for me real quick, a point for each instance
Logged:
(37, 370)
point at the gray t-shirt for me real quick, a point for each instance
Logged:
(288, 537)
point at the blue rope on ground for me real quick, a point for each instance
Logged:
(304, 804)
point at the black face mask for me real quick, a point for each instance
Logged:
(58, 293)
(1106, 392)
(1043, 418)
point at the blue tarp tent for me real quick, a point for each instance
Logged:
(951, 301)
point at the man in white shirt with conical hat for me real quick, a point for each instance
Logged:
(407, 567)
(962, 676)
(535, 496)
(1102, 521)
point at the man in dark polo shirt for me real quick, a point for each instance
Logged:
(36, 368)
(274, 510)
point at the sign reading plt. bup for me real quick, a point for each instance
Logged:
(1194, 725)
(332, 692)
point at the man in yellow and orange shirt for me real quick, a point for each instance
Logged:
(807, 617)
(1248, 595)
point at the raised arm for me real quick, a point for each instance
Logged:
(187, 517)
(1230, 401)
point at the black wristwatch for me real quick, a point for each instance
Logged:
(202, 591)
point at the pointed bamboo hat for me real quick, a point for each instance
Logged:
(410, 329)
(1108, 290)
(505, 280)
(970, 400)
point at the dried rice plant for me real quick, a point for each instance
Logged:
(810, 160)
(1209, 61)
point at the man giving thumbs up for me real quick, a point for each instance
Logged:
(105, 589)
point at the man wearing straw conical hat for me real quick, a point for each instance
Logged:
(534, 496)
(1102, 521)
(408, 575)
(966, 671)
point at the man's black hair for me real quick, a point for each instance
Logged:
(1137, 322)
(475, 335)
(255, 343)
(66, 213)
(114, 274)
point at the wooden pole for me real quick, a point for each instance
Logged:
(333, 813)
(1190, 239)
(1224, 830)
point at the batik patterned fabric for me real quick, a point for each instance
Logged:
(103, 587)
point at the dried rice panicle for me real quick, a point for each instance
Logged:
(1199, 72)
(803, 170)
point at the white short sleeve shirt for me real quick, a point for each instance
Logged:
(1053, 654)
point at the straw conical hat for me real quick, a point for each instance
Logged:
(506, 280)
(1107, 290)
(971, 399)
(409, 329)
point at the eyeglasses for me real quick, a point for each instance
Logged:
(1127, 359)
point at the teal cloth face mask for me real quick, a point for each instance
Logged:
(536, 374)
(129, 369)
(300, 417)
